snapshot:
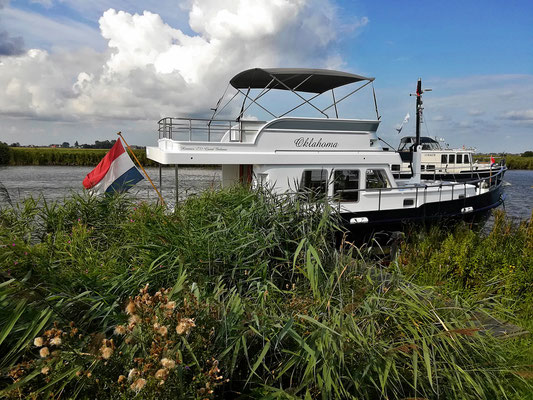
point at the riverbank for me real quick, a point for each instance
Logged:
(237, 292)
(91, 157)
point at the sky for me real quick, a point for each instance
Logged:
(78, 70)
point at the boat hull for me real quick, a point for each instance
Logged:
(471, 210)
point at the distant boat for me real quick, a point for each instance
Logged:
(443, 163)
(338, 158)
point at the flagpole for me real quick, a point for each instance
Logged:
(145, 173)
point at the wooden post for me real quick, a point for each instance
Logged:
(176, 168)
(135, 157)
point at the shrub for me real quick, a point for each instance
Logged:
(4, 153)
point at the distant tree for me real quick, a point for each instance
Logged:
(4, 153)
(528, 153)
(76, 144)
(65, 145)
(17, 144)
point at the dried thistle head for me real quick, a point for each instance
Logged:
(138, 385)
(38, 341)
(168, 363)
(184, 326)
(55, 341)
(130, 308)
(120, 330)
(44, 352)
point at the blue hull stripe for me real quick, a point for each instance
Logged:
(125, 181)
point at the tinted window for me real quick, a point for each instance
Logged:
(314, 181)
(444, 159)
(376, 179)
(459, 158)
(451, 159)
(466, 159)
(345, 184)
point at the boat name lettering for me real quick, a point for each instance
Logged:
(203, 148)
(311, 142)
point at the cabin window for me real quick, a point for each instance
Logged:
(422, 167)
(376, 179)
(444, 159)
(395, 167)
(451, 159)
(346, 184)
(466, 159)
(430, 168)
(314, 182)
(459, 158)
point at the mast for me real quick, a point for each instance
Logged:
(418, 111)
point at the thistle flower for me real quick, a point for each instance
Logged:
(44, 352)
(163, 331)
(120, 330)
(184, 326)
(138, 385)
(121, 379)
(56, 341)
(170, 305)
(45, 370)
(38, 341)
(167, 363)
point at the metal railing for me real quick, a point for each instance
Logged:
(421, 191)
(199, 129)
(489, 182)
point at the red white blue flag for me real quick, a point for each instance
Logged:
(115, 173)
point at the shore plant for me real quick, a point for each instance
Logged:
(234, 294)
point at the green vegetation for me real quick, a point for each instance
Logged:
(240, 294)
(524, 161)
(4, 153)
(65, 156)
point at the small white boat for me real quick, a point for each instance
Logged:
(341, 158)
(438, 162)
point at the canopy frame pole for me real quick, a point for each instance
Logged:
(375, 102)
(261, 94)
(336, 111)
(348, 95)
(299, 105)
(243, 103)
(259, 105)
(301, 97)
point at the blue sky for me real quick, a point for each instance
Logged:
(72, 70)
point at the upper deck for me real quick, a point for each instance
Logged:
(282, 139)
(286, 140)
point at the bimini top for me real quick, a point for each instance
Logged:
(294, 79)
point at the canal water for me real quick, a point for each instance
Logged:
(56, 183)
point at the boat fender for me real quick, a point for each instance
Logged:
(359, 220)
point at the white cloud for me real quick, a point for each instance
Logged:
(152, 69)
(519, 115)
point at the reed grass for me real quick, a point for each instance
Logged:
(256, 298)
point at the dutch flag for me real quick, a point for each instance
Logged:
(115, 173)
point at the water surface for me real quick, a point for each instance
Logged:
(56, 183)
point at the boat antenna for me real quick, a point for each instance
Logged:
(218, 104)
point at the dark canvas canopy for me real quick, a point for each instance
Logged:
(297, 79)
